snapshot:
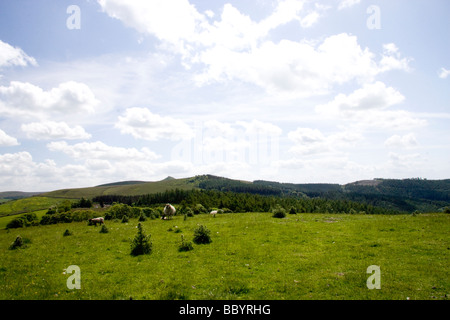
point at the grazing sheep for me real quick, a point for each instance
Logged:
(94, 221)
(169, 211)
(214, 212)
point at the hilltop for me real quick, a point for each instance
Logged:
(407, 195)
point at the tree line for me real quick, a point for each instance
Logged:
(242, 202)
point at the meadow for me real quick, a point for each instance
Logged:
(251, 256)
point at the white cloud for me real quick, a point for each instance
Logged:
(405, 141)
(368, 108)
(141, 123)
(310, 19)
(392, 59)
(53, 130)
(235, 47)
(407, 161)
(374, 96)
(301, 68)
(347, 4)
(6, 140)
(444, 73)
(309, 141)
(27, 100)
(100, 150)
(13, 56)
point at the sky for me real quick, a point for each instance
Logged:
(299, 91)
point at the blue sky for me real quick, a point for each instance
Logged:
(287, 90)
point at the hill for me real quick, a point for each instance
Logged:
(127, 188)
(407, 195)
(14, 195)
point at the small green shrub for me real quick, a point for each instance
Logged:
(124, 219)
(278, 212)
(201, 235)
(185, 245)
(104, 229)
(67, 233)
(292, 211)
(141, 243)
(26, 220)
(19, 243)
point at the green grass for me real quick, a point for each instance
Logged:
(126, 190)
(251, 256)
(30, 204)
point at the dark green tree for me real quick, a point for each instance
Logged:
(141, 244)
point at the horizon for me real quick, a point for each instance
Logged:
(251, 181)
(293, 91)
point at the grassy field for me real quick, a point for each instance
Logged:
(252, 256)
(126, 190)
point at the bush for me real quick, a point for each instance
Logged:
(185, 246)
(142, 217)
(199, 208)
(117, 211)
(26, 220)
(292, 211)
(67, 233)
(104, 229)
(141, 243)
(125, 219)
(201, 235)
(189, 212)
(278, 212)
(150, 213)
(19, 243)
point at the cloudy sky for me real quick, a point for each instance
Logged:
(298, 91)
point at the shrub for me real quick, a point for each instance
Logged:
(25, 220)
(67, 233)
(185, 246)
(292, 211)
(19, 243)
(142, 217)
(150, 213)
(201, 235)
(278, 212)
(141, 243)
(199, 208)
(125, 219)
(104, 229)
(189, 212)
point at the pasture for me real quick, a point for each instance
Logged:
(251, 256)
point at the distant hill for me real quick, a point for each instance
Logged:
(121, 183)
(14, 195)
(405, 195)
(127, 188)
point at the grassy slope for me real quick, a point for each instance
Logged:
(134, 189)
(252, 256)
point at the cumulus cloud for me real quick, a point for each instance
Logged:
(13, 56)
(347, 4)
(6, 140)
(405, 141)
(392, 59)
(27, 100)
(370, 96)
(235, 47)
(444, 73)
(102, 151)
(141, 123)
(313, 141)
(53, 130)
